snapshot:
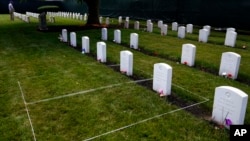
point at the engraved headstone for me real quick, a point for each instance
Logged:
(126, 62)
(229, 66)
(188, 54)
(117, 36)
(203, 35)
(230, 39)
(208, 27)
(85, 44)
(101, 52)
(162, 78)
(160, 23)
(150, 27)
(189, 28)
(104, 34)
(137, 25)
(64, 35)
(229, 107)
(174, 26)
(181, 32)
(73, 39)
(134, 40)
(164, 29)
(126, 24)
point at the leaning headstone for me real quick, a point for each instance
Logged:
(164, 29)
(203, 35)
(229, 66)
(104, 34)
(73, 39)
(162, 79)
(117, 36)
(126, 62)
(188, 54)
(101, 52)
(189, 28)
(85, 44)
(174, 26)
(230, 39)
(137, 25)
(160, 23)
(181, 32)
(150, 27)
(134, 40)
(229, 107)
(64, 35)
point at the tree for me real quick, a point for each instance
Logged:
(93, 11)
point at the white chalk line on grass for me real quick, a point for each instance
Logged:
(145, 120)
(27, 110)
(87, 91)
(190, 92)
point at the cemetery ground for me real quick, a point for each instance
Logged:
(51, 91)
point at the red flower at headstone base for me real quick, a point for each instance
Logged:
(229, 75)
(185, 63)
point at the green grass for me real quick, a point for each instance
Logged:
(54, 78)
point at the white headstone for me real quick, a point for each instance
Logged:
(117, 36)
(189, 28)
(160, 23)
(181, 32)
(100, 19)
(148, 22)
(101, 52)
(164, 29)
(126, 62)
(203, 35)
(208, 27)
(230, 39)
(150, 27)
(107, 20)
(162, 78)
(134, 40)
(85, 44)
(73, 39)
(85, 17)
(229, 66)
(174, 26)
(188, 54)
(229, 106)
(126, 24)
(127, 18)
(137, 25)
(120, 20)
(104, 34)
(230, 29)
(64, 35)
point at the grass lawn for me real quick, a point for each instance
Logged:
(50, 91)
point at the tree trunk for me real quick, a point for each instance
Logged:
(93, 11)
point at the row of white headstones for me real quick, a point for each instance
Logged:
(230, 103)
